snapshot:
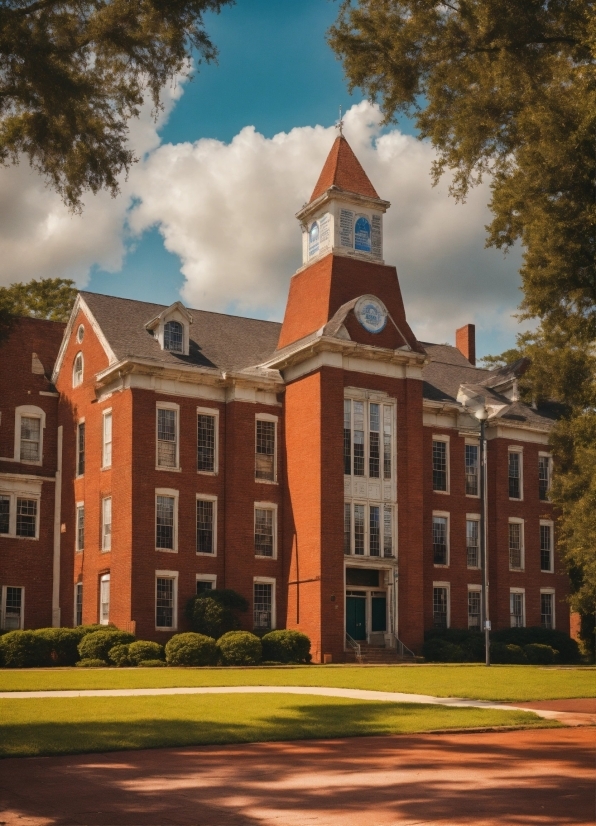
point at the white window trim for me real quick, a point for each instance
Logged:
(473, 517)
(104, 414)
(176, 408)
(80, 334)
(105, 578)
(549, 523)
(477, 589)
(514, 520)
(33, 412)
(78, 506)
(3, 607)
(368, 397)
(74, 613)
(14, 489)
(207, 497)
(551, 591)
(542, 454)
(271, 506)
(103, 534)
(77, 474)
(473, 443)
(448, 586)
(521, 591)
(516, 449)
(268, 580)
(173, 575)
(268, 417)
(440, 437)
(175, 495)
(444, 515)
(74, 361)
(210, 411)
(206, 578)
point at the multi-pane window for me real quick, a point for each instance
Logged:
(106, 453)
(264, 532)
(368, 530)
(440, 465)
(359, 532)
(106, 523)
(104, 599)
(11, 609)
(164, 602)
(206, 443)
(516, 546)
(263, 604)
(30, 439)
(440, 547)
(544, 465)
(205, 528)
(26, 517)
(440, 607)
(473, 543)
(546, 547)
(387, 531)
(374, 535)
(516, 609)
(515, 459)
(80, 448)
(265, 450)
(204, 586)
(80, 527)
(4, 514)
(164, 522)
(547, 609)
(474, 597)
(347, 528)
(77, 370)
(368, 439)
(167, 437)
(173, 338)
(78, 606)
(472, 470)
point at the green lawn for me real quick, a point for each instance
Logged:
(88, 724)
(500, 683)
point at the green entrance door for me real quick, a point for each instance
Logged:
(356, 617)
(379, 613)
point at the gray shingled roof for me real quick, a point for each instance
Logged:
(226, 342)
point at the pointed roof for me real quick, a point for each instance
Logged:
(343, 170)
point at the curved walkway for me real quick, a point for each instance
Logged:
(570, 719)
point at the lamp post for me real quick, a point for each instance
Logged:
(481, 414)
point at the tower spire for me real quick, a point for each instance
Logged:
(340, 124)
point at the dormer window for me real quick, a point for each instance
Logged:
(173, 336)
(77, 370)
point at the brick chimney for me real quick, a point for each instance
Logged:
(465, 341)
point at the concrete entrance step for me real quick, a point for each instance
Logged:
(375, 655)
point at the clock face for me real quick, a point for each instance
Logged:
(371, 313)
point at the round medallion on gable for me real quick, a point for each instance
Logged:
(371, 313)
(80, 333)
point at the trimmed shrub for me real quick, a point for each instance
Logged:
(286, 647)
(191, 649)
(152, 664)
(538, 654)
(97, 644)
(92, 662)
(62, 644)
(441, 651)
(119, 655)
(24, 649)
(215, 612)
(240, 648)
(83, 630)
(568, 649)
(503, 654)
(145, 650)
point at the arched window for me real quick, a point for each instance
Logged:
(173, 336)
(77, 370)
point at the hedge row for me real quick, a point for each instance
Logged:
(539, 646)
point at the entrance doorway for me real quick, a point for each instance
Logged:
(356, 616)
(378, 611)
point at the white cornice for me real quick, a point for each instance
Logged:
(335, 193)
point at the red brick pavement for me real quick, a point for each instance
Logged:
(538, 778)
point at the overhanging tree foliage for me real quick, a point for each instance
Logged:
(72, 74)
(49, 298)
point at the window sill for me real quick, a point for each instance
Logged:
(106, 550)
(169, 469)
(266, 481)
(16, 536)
(515, 499)
(207, 472)
(441, 492)
(440, 565)
(517, 570)
(206, 553)
(472, 496)
(32, 463)
(107, 467)
(474, 568)
(163, 628)
(167, 550)
(260, 556)
(546, 571)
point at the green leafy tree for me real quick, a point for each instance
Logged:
(49, 298)
(72, 74)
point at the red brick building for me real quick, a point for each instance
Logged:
(327, 467)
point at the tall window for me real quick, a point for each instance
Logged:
(11, 608)
(368, 439)
(77, 370)
(78, 606)
(205, 520)
(440, 538)
(547, 609)
(80, 527)
(4, 514)
(516, 609)
(544, 470)
(206, 434)
(472, 542)
(264, 532)
(440, 465)
(474, 609)
(372, 530)
(106, 453)
(263, 604)
(374, 536)
(472, 470)
(167, 437)
(164, 523)
(546, 547)
(106, 523)
(164, 602)
(347, 528)
(265, 450)
(516, 546)
(359, 535)
(104, 599)
(30, 439)
(515, 459)
(80, 448)
(26, 517)
(440, 606)
(173, 338)
(387, 531)
(18, 516)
